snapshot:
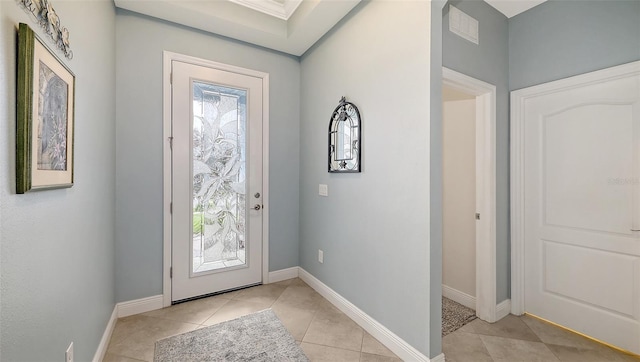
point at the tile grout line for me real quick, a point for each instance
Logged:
(362, 344)
(531, 329)
(495, 335)
(487, 349)
(315, 312)
(552, 352)
(312, 319)
(342, 349)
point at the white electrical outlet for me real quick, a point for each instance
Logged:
(69, 353)
(320, 256)
(323, 190)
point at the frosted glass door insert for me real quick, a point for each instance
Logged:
(216, 178)
(218, 168)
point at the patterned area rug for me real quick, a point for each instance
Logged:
(455, 315)
(256, 337)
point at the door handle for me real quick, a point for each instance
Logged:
(257, 207)
(635, 229)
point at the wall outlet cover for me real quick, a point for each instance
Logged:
(68, 355)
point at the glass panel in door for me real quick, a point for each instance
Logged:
(219, 170)
(216, 170)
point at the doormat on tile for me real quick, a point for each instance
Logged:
(455, 315)
(256, 337)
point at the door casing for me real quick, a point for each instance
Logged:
(168, 57)
(485, 93)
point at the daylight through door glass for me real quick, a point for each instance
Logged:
(218, 168)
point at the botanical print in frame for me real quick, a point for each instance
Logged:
(45, 118)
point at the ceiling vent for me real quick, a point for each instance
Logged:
(463, 25)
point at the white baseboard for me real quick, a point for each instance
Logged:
(458, 296)
(283, 274)
(438, 358)
(396, 344)
(106, 336)
(125, 309)
(138, 306)
(503, 309)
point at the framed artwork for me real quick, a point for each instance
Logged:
(45, 117)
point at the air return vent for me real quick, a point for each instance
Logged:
(463, 25)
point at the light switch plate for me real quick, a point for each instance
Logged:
(323, 190)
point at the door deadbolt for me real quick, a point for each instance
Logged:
(257, 195)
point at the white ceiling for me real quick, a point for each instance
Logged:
(290, 26)
(512, 8)
(281, 9)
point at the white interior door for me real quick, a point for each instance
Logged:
(217, 166)
(581, 199)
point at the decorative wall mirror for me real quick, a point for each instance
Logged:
(345, 142)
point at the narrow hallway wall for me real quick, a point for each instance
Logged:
(374, 226)
(57, 246)
(488, 62)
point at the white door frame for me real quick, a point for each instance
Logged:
(168, 57)
(518, 101)
(485, 93)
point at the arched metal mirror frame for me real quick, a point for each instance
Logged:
(345, 111)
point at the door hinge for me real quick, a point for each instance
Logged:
(171, 207)
(170, 272)
(477, 216)
(171, 143)
(171, 78)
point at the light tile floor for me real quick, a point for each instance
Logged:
(524, 339)
(324, 332)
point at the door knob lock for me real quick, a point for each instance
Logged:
(257, 207)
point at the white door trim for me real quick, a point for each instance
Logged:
(518, 101)
(485, 94)
(168, 57)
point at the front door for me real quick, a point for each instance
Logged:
(217, 120)
(582, 244)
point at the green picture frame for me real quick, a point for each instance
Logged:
(44, 116)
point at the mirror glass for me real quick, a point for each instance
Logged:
(343, 141)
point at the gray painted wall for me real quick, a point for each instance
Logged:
(57, 246)
(140, 42)
(374, 226)
(489, 62)
(435, 254)
(559, 39)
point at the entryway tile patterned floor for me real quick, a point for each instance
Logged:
(326, 334)
(524, 339)
(323, 332)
